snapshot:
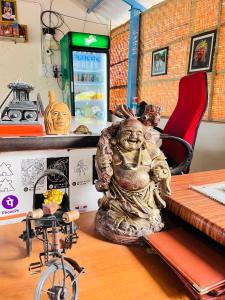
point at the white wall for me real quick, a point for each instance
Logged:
(209, 152)
(23, 61)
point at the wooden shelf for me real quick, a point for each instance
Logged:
(47, 142)
(15, 39)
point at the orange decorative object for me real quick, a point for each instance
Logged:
(21, 130)
(57, 116)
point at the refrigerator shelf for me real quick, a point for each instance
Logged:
(85, 71)
(89, 83)
(88, 100)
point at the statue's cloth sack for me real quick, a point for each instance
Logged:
(132, 203)
(134, 207)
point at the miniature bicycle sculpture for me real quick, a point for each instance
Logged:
(52, 222)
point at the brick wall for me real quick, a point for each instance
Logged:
(171, 23)
(119, 65)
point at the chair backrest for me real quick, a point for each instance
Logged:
(186, 117)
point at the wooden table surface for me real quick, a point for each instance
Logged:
(113, 272)
(206, 214)
(181, 184)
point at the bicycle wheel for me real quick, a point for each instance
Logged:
(50, 285)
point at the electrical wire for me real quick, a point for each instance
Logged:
(35, 2)
(67, 26)
(42, 47)
(50, 15)
(99, 19)
(51, 4)
(59, 18)
(59, 82)
(72, 17)
(54, 38)
(52, 23)
(85, 19)
(52, 27)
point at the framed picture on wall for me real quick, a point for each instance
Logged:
(202, 52)
(159, 61)
(8, 12)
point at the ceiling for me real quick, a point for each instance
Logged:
(115, 12)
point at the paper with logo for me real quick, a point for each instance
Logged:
(9, 204)
(215, 191)
(20, 170)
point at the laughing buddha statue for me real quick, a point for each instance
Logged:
(133, 175)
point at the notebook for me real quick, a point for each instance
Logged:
(199, 266)
(215, 191)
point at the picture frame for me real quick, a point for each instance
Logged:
(8, 11)
(159, 61)
(202, 52)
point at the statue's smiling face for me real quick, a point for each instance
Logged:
(131, 138)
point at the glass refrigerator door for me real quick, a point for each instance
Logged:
(90, 86)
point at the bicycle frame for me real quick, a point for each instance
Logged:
(53, 253)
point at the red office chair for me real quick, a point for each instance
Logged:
(180, 132)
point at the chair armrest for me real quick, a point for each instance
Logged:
(189, 153)
(158, 129)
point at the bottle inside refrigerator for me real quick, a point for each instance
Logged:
(90, 86)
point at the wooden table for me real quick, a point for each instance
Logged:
(113, 272)
(205, 214)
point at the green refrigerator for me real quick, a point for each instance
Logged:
(85, 75)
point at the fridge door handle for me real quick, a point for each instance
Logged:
(71, 86)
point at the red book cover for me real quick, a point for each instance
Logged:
(21, 130)
(202, 267)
